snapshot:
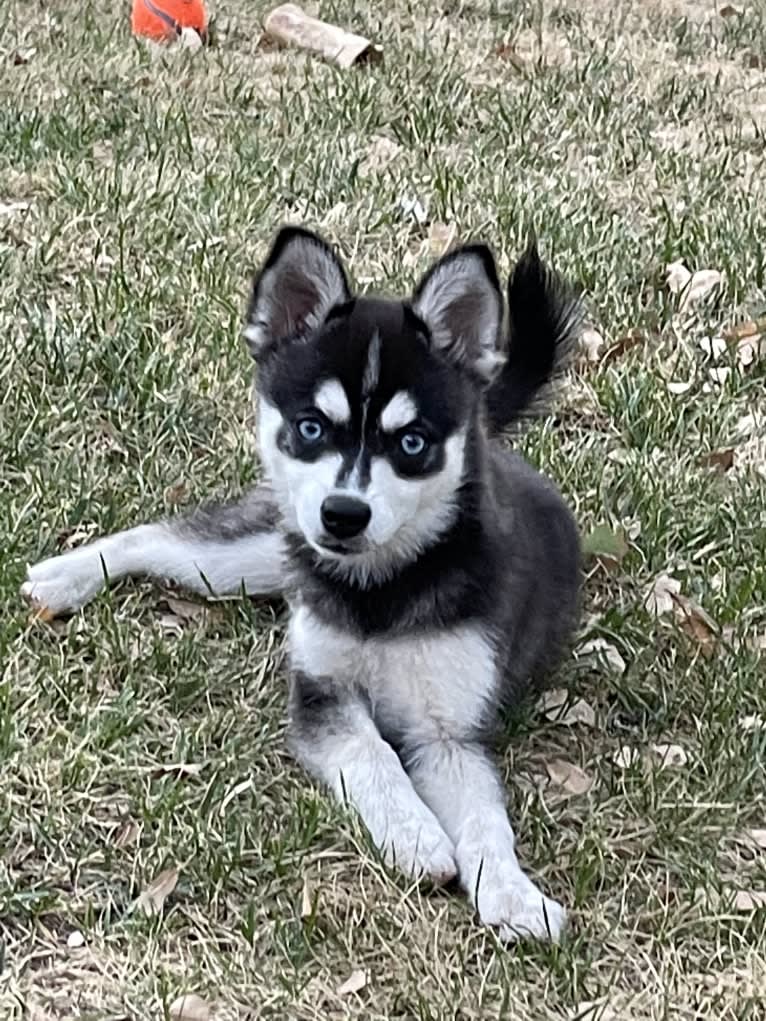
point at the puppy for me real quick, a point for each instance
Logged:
(432, 575)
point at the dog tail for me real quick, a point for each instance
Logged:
(544, 320)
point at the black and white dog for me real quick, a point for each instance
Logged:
(432, 575)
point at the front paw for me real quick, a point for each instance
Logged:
(506, 898)
(519, 910)
(64, 583)
(420, 848)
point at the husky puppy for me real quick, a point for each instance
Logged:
(431, 575)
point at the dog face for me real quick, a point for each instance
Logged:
(365, 404)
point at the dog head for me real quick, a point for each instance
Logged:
(364, 404)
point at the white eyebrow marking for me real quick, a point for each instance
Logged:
(330, 398)
(399, 411)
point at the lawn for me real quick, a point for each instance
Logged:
(145, 734)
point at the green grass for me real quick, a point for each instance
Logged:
(154, 184)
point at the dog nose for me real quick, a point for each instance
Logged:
(345, 516)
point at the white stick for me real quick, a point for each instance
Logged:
(291, 26)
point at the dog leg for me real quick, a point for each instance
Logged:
(215, 550)
(333, 736)
(460, 784)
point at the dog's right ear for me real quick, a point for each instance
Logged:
(301, 280)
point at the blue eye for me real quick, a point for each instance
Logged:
(412, 444)
(311, 430)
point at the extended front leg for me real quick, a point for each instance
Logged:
(332, 735)
(460, 784)
(215, 550)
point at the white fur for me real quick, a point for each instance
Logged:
(400, 411)
(435, 691)
(460, 786)
(356, 764)
(67, 582)
(330, 398)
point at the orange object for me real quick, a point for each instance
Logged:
(164, 19)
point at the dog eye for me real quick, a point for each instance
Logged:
(412, 444)
(311, 430)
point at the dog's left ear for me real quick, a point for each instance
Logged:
(301, 280)
(460, 301)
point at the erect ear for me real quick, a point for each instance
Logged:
(301, 280)
(460, 301)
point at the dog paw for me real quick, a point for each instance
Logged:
(519, 910)
(64, 583)
(420, 848)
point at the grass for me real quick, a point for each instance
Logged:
(146, 189)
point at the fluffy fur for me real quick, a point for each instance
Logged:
(432, 575)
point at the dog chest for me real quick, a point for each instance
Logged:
(426, 685)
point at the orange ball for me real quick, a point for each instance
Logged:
(164, 19)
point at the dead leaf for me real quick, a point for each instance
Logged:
(750, 350)
(753, 838)
(749, 900)
(679, 387)
(380, 152)
(189, 1007)
(11, 208)
(603, 650)
(748, 328)
(670, 756)
(75, 940)
(185, 609)
(591, 344)
(729, 11)
(659, 597)
(633, 338)
(556, 707)
(568, 776)
(441, 237)
(23, 56)
(176, 493)
(721, 460)
(128, 835)
(189, 39)
(696, 623)
(152, 899)
(506, 51)
(356, 981)
(626, 757)
(752, 722)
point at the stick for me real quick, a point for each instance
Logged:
(291, 26)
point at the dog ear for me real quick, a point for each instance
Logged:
(460, 301)
(300, 281)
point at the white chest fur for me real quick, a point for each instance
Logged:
(428, 686)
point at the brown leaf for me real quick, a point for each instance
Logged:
(152, 899)
(721, 460)
(177, 493)
(748, 328)
(189, 1007)
(669, 756)
(568, 776)
(696, 623)
(23, 55)
(633, 338)
(356, 981)
(750, 350)
(729, 11)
